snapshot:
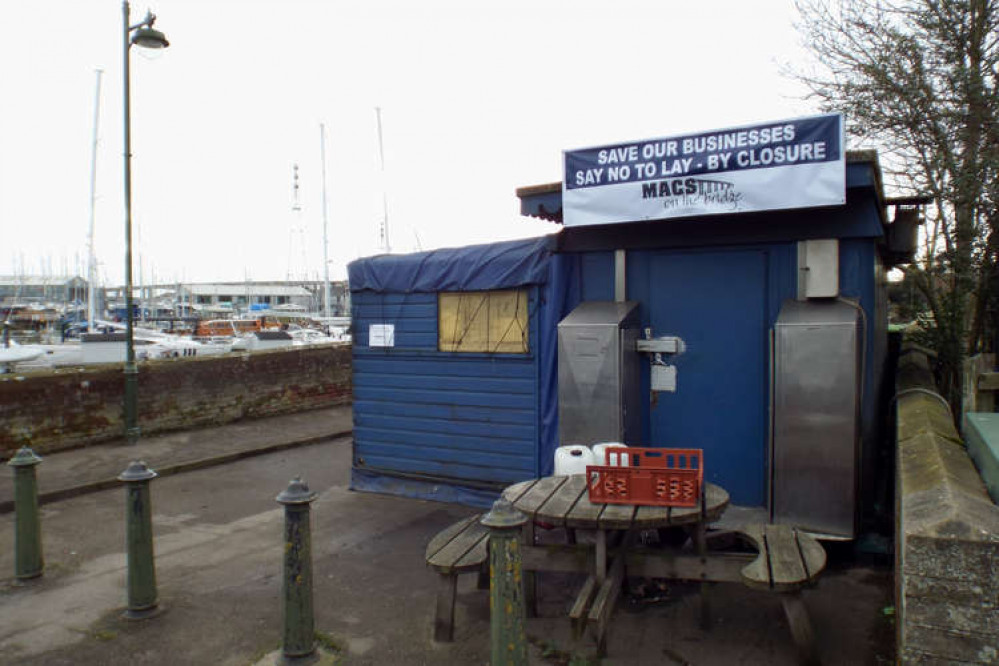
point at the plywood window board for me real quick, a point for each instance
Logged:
(483, 321)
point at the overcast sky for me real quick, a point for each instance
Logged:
(477, 98)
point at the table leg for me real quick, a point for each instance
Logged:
(580, 610)
(603, 604)
(609, 588)
(701, 544)
(801, 627)
(444, 616)
(601, 556)
(482, 579)
(530, 577)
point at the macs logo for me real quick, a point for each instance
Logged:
(689, 192)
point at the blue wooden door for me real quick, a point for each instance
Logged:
(717, 302)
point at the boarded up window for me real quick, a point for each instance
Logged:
(483, 321)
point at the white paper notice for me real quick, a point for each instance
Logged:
(381, 335)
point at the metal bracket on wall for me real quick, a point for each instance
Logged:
(662, 376)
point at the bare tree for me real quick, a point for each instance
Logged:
(918, 80)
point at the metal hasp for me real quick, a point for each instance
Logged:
(28, 561)
(508, 640)
(666, 344)
(599, 374)
(299, 637)
(818, 372)
(142, 598)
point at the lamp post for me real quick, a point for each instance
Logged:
(141, 34)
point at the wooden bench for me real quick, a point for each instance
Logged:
(457, 549)
(788, 560)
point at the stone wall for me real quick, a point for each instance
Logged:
(947, 537)
(65, 408)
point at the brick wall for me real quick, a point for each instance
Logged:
(947, 533)
(66, 408)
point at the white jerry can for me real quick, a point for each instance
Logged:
(600, 455)
(572, 459)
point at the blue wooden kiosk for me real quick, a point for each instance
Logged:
(457, 426)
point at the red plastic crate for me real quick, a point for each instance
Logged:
(648, 476)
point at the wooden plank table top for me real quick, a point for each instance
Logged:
(564, 501)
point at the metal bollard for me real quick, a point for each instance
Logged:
(506, 585)
(27, 525)
(299, 639)
(142, 600)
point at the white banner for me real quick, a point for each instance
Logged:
(772, 166)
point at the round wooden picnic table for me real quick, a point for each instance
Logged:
(564, 501)
(786, 559)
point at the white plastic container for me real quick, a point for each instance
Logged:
(600, 455)
(572, 459)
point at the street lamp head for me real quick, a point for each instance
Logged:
(149, 38)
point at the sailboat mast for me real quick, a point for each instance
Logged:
(381, 156)
(91, 255)
(296, 242)
(326, 262)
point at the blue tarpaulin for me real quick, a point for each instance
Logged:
(473, 268)
(381, 400)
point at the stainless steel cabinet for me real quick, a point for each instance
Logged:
(816, 410)
(598, 374)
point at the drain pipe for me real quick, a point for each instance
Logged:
(620, 288)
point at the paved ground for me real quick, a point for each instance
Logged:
(70, 473)
(219, 547)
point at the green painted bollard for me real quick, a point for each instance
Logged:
(142, 600)
(299, 639)
(506, 585)
(27, 524)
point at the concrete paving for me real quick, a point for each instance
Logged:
(219, 547)
(77, 471)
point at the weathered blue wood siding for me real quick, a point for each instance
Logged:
(458, 416)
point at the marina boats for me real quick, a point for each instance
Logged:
(312, 336)
(108, 346)
(232, 328)
(43, 356)
(291, 335)
(150, 344)
(13, 353)
(71, 341)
